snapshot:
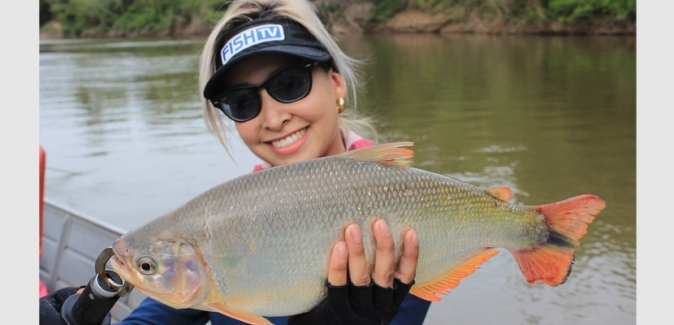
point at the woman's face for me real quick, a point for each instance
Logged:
(290, 132)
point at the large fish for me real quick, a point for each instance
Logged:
(258, 245)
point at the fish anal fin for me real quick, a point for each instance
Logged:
(389, 154)
(551, 261)
(502, 193)
(441, 285)
(239, 315)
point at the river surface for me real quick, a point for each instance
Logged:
(549, 117)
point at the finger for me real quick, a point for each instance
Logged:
(338, 265)
(407, 267)
(358, 270)
(384, 265)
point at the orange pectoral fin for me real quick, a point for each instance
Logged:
(238, 315)
(451, 279)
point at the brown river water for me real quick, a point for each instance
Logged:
(549, 117)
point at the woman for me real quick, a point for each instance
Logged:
(272, 68)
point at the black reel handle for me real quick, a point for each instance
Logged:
(93, 305)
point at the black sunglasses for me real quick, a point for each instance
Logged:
(286, 85)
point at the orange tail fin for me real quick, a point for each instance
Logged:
(567, 220)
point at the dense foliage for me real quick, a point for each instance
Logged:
(564, 11)
(101, 16)
(78, 17)
(384, 9)
(572, 10)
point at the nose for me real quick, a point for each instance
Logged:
(120, 248)
(275, 114)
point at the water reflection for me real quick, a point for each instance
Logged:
(549, 117)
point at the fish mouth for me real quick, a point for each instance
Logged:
(117, 263)
(124, 271)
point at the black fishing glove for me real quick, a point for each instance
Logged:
(50, 305)
(352, 305)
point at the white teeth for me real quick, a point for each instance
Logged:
(289, 139)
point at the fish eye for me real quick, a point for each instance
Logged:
(146, 265)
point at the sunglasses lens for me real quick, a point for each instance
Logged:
(290, 85)
(241, 105)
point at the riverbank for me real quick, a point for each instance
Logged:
(356, 17)
(458, 21)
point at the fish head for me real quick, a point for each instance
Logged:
(169, 270)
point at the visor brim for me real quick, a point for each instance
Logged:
(214, 84)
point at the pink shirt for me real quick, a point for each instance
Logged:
(351, 139)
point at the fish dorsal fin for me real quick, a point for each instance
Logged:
(502, 193)
(389, 154)
(239, 315)
(441, 285)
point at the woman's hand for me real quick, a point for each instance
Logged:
(354, 295)
(352, 253)
(50, 305)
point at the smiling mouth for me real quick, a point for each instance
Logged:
(289, 139)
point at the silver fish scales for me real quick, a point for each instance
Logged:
(259, 244)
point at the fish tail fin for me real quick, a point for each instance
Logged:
(567, 220)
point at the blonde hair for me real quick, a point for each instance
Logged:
(304, 13)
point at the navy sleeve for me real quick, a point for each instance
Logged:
(151, 312)
(412, 311)
(219, 319)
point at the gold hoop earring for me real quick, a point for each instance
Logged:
(340, 105)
